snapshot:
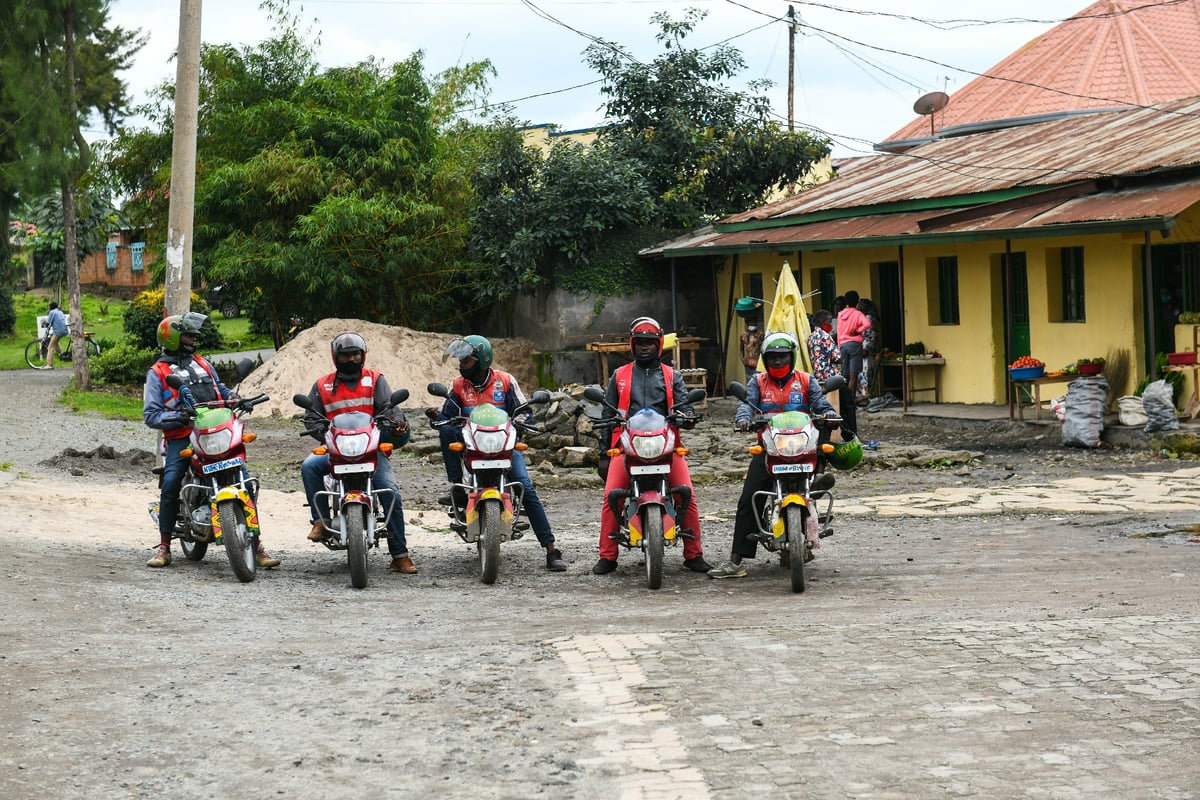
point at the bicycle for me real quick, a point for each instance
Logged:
(36, 352)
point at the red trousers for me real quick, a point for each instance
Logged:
(618, 478)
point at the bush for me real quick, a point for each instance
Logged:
(145, 312)
(123, 365)
(8, 313)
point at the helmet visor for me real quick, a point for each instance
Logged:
(458, 350)
(348, 343)
(191, 322)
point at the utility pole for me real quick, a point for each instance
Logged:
(183, 162)
(791, 69)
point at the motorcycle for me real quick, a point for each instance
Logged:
(218, 500)
(797, 512)
(485, 509)
(649, 442)
(359, 516)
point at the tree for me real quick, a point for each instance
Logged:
(59, 65)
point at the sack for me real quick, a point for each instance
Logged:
(1130, 411)
(1083, 420)
(1059, 406)
(1158, 401)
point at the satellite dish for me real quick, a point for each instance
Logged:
(929, 104)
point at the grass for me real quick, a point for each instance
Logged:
(107, 403)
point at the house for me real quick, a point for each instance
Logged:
(1052, 233)
(121, 268)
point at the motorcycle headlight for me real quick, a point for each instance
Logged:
(353, 445)
(790, 444)
(491, 441)
(649, 447)
(216, 442)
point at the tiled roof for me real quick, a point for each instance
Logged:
(1112, 53)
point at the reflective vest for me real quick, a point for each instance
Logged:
(792, 396)
(624, 378)
(203, 387)
(338, 397)
(494, 391)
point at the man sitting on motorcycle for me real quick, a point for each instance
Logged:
(780, 388)
(353, 387)
(647, 383)
(162, 410)
(478, 383)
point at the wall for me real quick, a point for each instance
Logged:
(94, 273)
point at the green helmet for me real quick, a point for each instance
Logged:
(171, 327)
(781, 343)
(846, 455)
(472, 345)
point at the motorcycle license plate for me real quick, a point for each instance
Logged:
(650, 469)
(217, 466)
(782, 468)
(495, 463)
(349, 469)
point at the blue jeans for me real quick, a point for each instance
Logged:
(313, 472)
(175, 468)
(519, 472)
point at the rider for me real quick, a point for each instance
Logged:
(353, 387)
(647, 383)
(478, 383)
(161, 409)
(780, 388)
(57, 322)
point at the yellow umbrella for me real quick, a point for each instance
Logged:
(788, 316)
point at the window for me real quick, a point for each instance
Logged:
(824, 280)
(110, 256)
(135, 255)
(947, 290)
(1071, 260)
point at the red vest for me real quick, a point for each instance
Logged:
(340, 398)
(162, 369)
(493, 393)
(792, 396)
(624, 378)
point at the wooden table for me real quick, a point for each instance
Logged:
(685, 347)
(916, 363)
(1014, 393)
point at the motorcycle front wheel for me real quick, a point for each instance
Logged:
(356, 543)
(489, 541)
(652, 538)
(797, 544)
(236, 538)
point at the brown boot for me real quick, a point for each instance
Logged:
(318, 531)
(403, 565)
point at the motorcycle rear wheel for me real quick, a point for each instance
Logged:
(356, 544)
(193, 550)
(489, 541)
(652, 537)
(797, 544)
(236, 538)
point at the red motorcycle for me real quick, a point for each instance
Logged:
(359, 516)
(649, 442)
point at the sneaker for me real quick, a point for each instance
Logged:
(604, 566)
(162, 556)
(264, 559)
(728, 569)
(555, 561)
(698, 564)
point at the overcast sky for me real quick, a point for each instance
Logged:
(860, 64)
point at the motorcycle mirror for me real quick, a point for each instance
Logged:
(540, 396)
(835, 383)
(737, 390)
(302, 401)
(398, 397)
(695, 396)
(174, 381)
(438, 390)
(594, 393)
(244, 368)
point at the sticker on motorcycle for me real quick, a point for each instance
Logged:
(217, 466)
(779, 468)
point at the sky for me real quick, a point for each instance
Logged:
(860, 64)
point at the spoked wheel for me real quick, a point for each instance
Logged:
(35, 354)
(356, 543)
(652, 533)
(797, 544)
(236, 538)
(489, 541)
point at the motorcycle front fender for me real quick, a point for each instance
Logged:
(476, 502)
(651, 502)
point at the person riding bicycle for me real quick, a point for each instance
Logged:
(478, 383)
(353, 387)
(646, 383)
(780, 388)
(57, 322)
(163, 410)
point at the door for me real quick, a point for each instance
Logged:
(1015, 283)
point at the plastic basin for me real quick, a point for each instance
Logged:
(1026, 373)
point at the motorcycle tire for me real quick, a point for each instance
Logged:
(797, 544)
(652, 538)
(489, 541)
(235, 536)
(356, 543)
(193, 550)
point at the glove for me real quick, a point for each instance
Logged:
(742, 425)
(431, 413)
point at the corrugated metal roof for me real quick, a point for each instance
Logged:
(1114, 52)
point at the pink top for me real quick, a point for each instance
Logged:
(850, 325)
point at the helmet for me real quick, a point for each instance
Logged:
(747, 307)
(171, 327)
(646, 328)
(780, 343)
(472, 345)
(348, 342)
(846, 455)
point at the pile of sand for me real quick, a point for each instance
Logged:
(408, 359)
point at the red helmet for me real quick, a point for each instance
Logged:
(646, 328)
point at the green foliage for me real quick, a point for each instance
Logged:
(146, 311)
(124, 364)
(8, 313)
